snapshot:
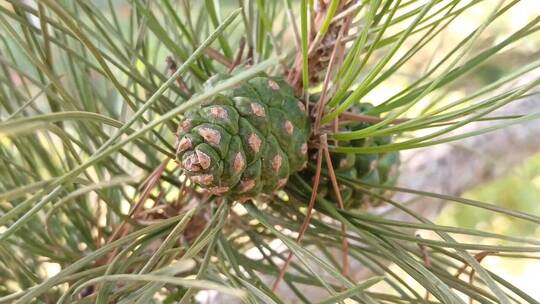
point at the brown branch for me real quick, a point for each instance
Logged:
(217, 56)
(337, 56)
(427, 261)
(239, 53)
(335, 185)
(172, 66)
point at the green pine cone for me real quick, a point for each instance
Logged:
(246, 141)
(380, 169)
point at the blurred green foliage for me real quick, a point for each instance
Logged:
(518, 190)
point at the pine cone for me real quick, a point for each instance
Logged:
(247, 141)
(377, 168)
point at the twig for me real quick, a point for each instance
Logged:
(249, 59)
(320, 13)
(479, 257)
(239, 53)
(172, 66)
(335, 185)
(347, 10)
(217, 56)
(427, 260)
(152, 181)
(333, 57)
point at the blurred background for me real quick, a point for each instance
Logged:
(520, 189)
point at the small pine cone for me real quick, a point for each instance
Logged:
(247, 141)
(376, 168)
